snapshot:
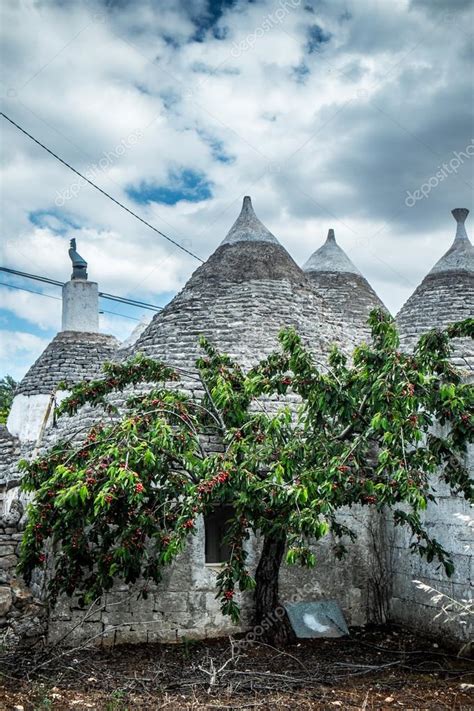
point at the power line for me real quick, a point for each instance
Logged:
(114, 313)
(58, 298)
(46, 280)
(104, 295)
(30, 291)
(117, 202)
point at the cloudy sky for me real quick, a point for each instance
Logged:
(329, 114)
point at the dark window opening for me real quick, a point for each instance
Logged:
(216, 525)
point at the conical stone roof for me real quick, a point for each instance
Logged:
(71, 356)
(240, 298)
(330, 258)
(248, 228)
(460, 256)
(347, 295)
(445, 295)
(248, 252)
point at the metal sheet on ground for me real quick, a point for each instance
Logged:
(317, 619)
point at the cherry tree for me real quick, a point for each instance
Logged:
(123, 502)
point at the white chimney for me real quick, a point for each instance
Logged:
(80, 298)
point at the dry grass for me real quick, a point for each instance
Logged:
(372, 669)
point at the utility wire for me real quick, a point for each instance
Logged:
(117, 202)
(114, 313)
(111, 297)
(46, 280)
(30, 291)
(58, 298)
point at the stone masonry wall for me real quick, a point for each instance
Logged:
(9, 452)
(22, 616)
(442, 297)
(183, 605)
(447, 520)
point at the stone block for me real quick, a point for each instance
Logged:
(72, 634)
(172, 602)
(21, 595)
(141, 606)
(162, 635)
(6, 549)
(116, 616)
(6, 600)
(108, 637)
(8, 562)
(126, 635)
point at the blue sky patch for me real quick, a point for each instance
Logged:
(171, 41)
(301, 72)
(217, 147)
(54, 220)
(170, 98)
(11, 322)
(316, 37)
(186, 184)
(207, 20)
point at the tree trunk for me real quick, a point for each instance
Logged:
(272, 622)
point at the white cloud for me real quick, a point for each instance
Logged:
(377, 108)
(18, 351)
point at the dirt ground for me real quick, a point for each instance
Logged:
(372, 669)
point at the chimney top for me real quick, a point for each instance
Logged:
(79, 265)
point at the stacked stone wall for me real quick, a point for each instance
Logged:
(449, 519)
(183, 605)
(23, 617)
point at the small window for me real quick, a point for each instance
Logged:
(216, 526)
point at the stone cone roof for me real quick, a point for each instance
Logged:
(330, 258)
(240, 298)
(345, 291)
(248, 228)
(248, 252)
(445, 295)
(71, 356)
(460, 256)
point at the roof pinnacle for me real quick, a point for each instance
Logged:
(460, 256)
(248, 228)
(460, 214)
(330, 258)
